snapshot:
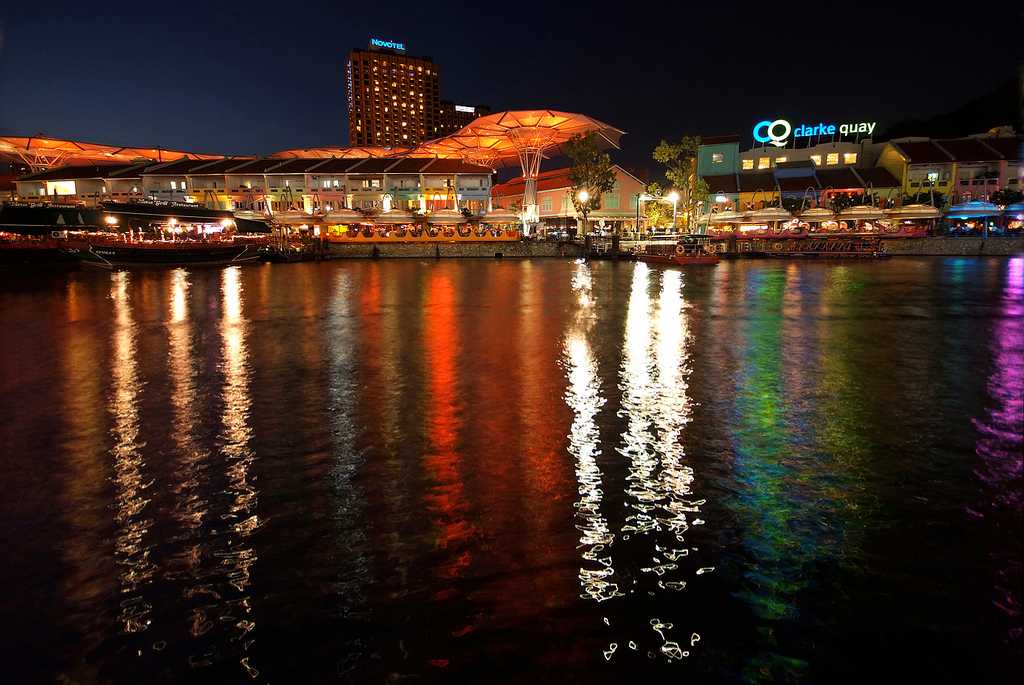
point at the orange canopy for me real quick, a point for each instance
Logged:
(41, 153)
(501, 138)
(342, 152)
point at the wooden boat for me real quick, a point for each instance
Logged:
(689, 250)
(108, 254)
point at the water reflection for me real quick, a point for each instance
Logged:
(583, 396)
(132, 548)
(87, 471)
(640, 570)
(190, 505)
(656, 407)
(348, 496)
(235, 550)
(1000, 444)
(446, 498)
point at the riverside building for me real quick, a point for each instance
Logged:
(270, 185)
(820, 165)
(556, 210)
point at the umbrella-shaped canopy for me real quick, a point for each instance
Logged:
(972, 210)
(865, 212)
(294, 217)
(499, 139)
(817, 214)
(914, 212)
(770, 214)
(341, 152)
(729, 217)
(42, 153)
(394, 217)
(446, 216)
(500, 216)
(344, 216)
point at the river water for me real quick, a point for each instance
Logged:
(509, 471)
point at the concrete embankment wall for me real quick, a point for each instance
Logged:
(523, 248)
(949, 246)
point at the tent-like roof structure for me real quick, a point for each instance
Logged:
(41, 153)
(342, 152)
(500, 139)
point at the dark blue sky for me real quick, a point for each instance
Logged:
(254, 77)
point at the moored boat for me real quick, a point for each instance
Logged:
(106, 253)
(689, 250)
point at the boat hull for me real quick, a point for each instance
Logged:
(678, 259)
(110, 256)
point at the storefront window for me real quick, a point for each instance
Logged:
(849, 158)
(748, 164)
(816, 159)
(763, 162)
(832, 158)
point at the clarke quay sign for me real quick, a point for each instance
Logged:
(392, 44)
(777, 132)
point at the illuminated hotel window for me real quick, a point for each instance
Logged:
(174, 185)
(717, 157)
(849, 158)
(748, 164)
(764, 162)
(832, 158)
(779, 160)
(545, 205)
(816, 159)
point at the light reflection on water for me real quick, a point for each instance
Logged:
(132, 545)
(476, 471)
(584, 398)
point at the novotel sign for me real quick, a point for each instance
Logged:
(381, 43)
(777, 132)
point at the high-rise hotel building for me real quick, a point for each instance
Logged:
(393, 99)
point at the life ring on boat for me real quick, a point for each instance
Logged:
(680, 249)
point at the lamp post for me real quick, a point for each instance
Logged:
(673, 197)
(583, 196)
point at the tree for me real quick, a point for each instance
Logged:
(1006, 196)
(591, 172)
(655, 210)
(680, 160)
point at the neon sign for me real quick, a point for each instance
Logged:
(777, 132)
(394, 45)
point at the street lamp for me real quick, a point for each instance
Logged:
(641, 198)
(673, 197)
(583, 196)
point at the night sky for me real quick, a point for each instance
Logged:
(253, 77)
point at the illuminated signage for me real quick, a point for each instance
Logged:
(394, 45)
(777, 132)
(463, 108)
